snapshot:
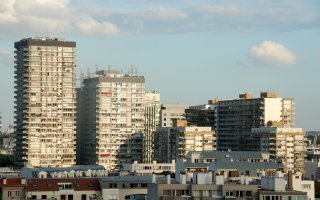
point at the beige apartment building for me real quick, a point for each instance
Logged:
(111, 111)
(287, 145)
(45, 102)
(176, 142)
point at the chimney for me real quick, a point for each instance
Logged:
(154, 178)
(289, 184)
(168, 178)
(184, 179)
(242, 179)
(4, 181)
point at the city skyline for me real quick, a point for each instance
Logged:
(189, 51)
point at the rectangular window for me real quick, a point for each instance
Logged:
(83, 197)
(17, 193)
(34, 197)
(43, 196)
(70, 197)
(9, 193)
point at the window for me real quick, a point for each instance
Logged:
(34, 197)
(17, 193)
(9, 193)
(43, 196)
(70, 197)
(306, 186)
(90, 184)
(83, 197)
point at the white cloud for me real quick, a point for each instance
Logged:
(51, 17)
(7, 12)
(58, 3)
(20, 18)
(164, 14)
(219, 9)
(89, 26)
(271, 53)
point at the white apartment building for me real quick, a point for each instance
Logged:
(238, 116)
(152, 122)
(111, 110)
(171, 112)
(45, 102)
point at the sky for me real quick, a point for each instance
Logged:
(188, 50)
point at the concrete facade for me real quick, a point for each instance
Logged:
(287, 145)
(152, 122)
(45, 102)
(174, 142)
(171, 112)
(111, 111)
(202, 115)
(149, 168)
(238, 116)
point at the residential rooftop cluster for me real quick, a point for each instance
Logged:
(111, 139)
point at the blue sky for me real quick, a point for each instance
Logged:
(188, 50)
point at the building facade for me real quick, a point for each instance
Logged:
(45, 102)
(287, 145)
(152, 122)
(111, 111)
(238, 116)
(171, 112)
(174, 142)
(202, 115)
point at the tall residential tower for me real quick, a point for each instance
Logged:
(111, 111)
(152, 121)
(45, 102)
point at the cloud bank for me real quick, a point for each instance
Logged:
(106, 18)
(271, 53)
(19, 17)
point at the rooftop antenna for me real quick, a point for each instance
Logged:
(88, 72)
(81, 77)
(96, 68)
(47, 32)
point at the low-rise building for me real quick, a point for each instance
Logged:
(63, 188)
(12, 188)
(202, 186)
(149, 168)
(64, 172)
(125, 187)
(209, 156)
(312, 170)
